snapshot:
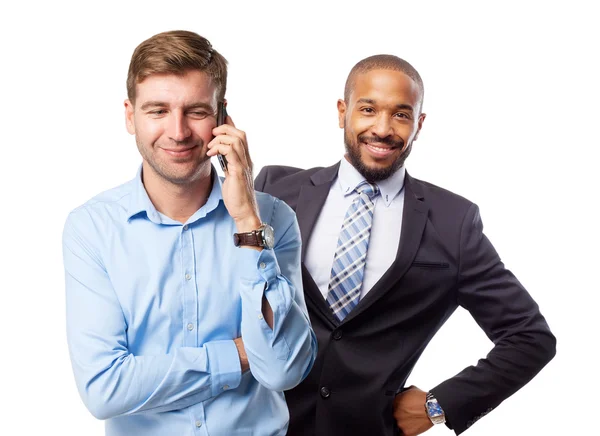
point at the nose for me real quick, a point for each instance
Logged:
(179, 129)
(382, 126)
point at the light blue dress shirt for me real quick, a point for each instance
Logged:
(153, 307)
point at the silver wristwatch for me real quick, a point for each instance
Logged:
(434, 410)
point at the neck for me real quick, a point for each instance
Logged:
(177, 201)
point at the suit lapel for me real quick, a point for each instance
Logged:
(414, 218)
(310, 203)
(311, 200)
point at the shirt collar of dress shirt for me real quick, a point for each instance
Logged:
(140, 202)
(349, 178)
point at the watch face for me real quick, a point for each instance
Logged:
(269, 236)
(434, 409)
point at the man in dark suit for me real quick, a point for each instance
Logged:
(386, 260)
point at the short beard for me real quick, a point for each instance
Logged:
(175, 179)
(353, 151)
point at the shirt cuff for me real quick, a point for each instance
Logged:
(258, 266)
(225, 367)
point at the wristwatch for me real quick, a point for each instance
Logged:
(262, 237)
(434, 410)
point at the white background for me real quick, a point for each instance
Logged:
(512, 97)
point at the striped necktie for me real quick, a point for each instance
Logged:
(351, 252)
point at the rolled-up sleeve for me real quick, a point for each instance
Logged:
(279, 358)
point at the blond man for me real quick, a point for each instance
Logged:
(185, 313)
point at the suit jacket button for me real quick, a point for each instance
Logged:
(337, 335)
(325, 392)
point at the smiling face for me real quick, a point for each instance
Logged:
(381, 119)
(172, 120)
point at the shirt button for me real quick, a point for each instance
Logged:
(263, 265)
(325, 392)
(190, 326)
(187, 276)
(260, 316)
(185, 227)
(198, 424)
(337, 335)
(225, 387)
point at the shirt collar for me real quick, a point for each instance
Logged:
(349, 178)
(140, 202)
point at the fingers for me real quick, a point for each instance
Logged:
(233, 150)
(229, 135)
(229, 129)
(219, 145)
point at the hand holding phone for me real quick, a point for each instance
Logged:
(221, 116)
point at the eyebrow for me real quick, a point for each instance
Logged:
(398, 106)
(151, 104)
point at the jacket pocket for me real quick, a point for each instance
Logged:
(426, 264)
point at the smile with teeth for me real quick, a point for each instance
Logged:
(378, 150)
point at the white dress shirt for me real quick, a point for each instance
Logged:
(385, 230)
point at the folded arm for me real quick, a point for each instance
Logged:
(280, 356)
(111, 380)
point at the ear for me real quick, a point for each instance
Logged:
(341, 107)
(420, 125)
(129, 119)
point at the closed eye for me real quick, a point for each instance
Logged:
(157, 113)
(199, 114)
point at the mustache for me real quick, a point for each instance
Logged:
(188, 142)
(388, 140)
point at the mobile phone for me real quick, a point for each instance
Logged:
(221, 116)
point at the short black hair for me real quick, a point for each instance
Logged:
(383, 62)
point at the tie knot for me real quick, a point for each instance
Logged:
(371, 190)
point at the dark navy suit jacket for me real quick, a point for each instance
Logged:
(444, 261)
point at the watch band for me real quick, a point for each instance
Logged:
(434, 410)
(248, 238)
(262, 237)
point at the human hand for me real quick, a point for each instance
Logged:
(409, 412)
(238, 187)
(242, 353)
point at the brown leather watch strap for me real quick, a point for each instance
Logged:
(249, 238)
